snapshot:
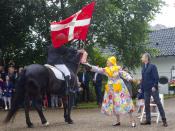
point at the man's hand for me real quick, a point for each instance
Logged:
(81, 51)
(87, 64)
(140, 91)
(153, 89)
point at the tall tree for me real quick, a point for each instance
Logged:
(121, 25)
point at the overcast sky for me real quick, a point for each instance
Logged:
(167, 17)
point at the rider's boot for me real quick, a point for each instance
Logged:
(68, 88)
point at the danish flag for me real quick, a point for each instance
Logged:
(74, 27)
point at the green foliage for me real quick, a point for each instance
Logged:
(134, 89)
(122, 24)
(96, 56)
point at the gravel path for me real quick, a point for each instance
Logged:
(85, 120)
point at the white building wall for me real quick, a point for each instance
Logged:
(164, 65)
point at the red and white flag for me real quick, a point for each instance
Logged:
(74, 27)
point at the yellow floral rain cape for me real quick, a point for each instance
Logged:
(110, 71)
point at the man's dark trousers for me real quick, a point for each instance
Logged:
(147, 95)
(150, 79)
(98, 94)
(85, 89)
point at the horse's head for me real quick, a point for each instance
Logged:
(72, 59)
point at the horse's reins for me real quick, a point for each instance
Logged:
(77, 72)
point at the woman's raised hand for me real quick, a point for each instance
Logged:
(87, 64)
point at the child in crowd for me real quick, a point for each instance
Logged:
(1, 83)
(45, 101)
(7, 92)
(140, 98)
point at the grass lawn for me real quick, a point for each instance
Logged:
(168, 96)
(87, 105)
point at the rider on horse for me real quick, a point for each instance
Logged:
(55, 59)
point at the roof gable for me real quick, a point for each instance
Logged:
(164, 40)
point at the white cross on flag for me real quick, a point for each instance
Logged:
(74, 27)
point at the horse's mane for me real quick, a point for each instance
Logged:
(72, 60)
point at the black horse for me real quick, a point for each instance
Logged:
(36, 80)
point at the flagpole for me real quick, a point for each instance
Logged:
(84, 44)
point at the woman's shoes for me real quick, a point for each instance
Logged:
(117, 124)
(133, 124)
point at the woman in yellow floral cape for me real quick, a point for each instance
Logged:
(117, 99)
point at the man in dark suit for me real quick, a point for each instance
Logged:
(150, 80)
(84, 79)
(97, 83)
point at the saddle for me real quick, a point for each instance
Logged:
(58, 74)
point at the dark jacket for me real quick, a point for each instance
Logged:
(55, 54)
(86, 81)
(99, 79)
(1, 84)
(150, 77)
(7, 90)
(140, 95)
(3, 75)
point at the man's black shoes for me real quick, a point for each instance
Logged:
(165, 124)
(146, 123)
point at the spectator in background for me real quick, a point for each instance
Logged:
(84, 79)
(7, 92)
(54, 100)
(19, 72)
(2, 72)
(11, 64)
(12, 77)
(16, 74)
(97, 83)
(11, 74)
(77, 90)
(45, 101)
(14, 88)
(1, 91)
(1, 69)
(140, 98)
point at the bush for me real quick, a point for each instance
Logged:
(134, 88)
